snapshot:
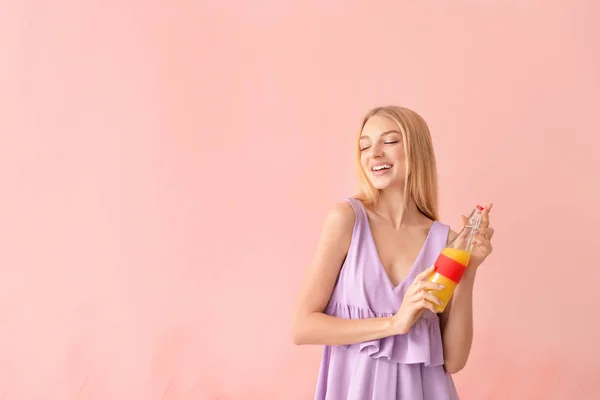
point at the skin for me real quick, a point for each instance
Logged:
(399, 233)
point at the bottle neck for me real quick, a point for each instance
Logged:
(464, 239)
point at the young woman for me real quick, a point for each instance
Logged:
(365, 296)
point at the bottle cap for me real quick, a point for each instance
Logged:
(479, 207)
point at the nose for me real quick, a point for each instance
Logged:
(376, 150)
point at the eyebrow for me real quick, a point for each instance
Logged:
(384, 133)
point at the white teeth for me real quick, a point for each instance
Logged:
(380, 167)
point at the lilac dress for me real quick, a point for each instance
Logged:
(408, 366)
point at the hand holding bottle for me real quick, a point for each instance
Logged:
(420, 295)
(452, 262)
(482, 246)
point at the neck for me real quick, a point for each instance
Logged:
(392, 207)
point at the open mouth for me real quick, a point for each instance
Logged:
(381, 167)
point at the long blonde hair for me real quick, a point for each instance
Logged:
(421, 171)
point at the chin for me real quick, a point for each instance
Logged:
(382, 184)
(379, 187)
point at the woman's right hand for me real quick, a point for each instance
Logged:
(415, 301)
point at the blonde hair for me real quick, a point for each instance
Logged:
(421, 171)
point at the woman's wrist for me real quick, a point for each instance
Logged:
(395, 326)
(470, 274)
(468, 279)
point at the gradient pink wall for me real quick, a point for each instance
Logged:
(165, 169)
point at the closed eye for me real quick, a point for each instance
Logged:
(365, 148)
(396, 141)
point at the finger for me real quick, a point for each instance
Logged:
(484, 245)
(426, 285)
(485, 216)
(423, 275)
(481, 242)
(430, 297)
(433, 298)
(485, 232)
(428, 305)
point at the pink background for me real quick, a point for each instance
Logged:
(165, 168)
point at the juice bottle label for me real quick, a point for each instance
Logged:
(450, 266)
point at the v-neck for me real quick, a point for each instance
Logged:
(411, 271)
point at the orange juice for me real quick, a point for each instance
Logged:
(449, 268)
(453, 260)
(461, 256)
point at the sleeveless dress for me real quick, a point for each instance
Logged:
(407, 366)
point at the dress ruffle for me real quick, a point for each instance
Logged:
(421, 344)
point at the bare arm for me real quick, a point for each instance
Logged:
(311, 325)
(457, 319)
(457, 323)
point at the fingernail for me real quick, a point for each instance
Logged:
(441, 286)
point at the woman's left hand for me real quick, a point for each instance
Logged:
(482, 245)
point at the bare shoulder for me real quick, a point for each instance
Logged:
(341, 217)
(332, 248)
(338, 226)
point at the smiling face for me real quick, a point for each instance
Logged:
(382, 153)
